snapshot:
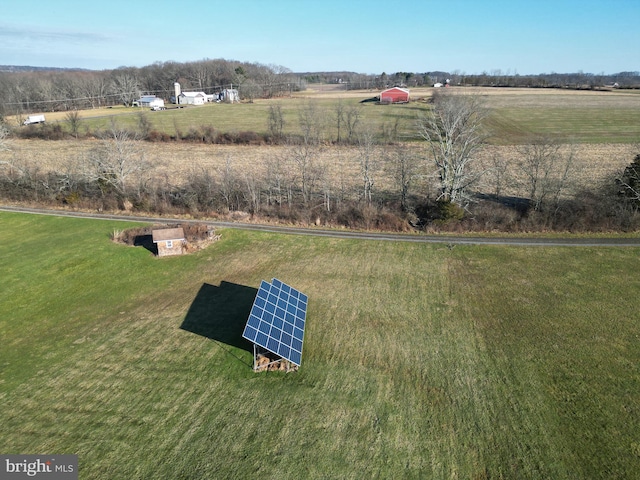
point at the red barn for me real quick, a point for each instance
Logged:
(395, 95)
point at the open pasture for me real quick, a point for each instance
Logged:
(420, 361)
(590, 117)
(516, 114)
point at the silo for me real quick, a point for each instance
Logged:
(176, 88)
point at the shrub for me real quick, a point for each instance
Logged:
(208, 134)
(156, 136)
(43, 131)
(351, 217)
(449, 211)
(390, 222)
(488, 216)
(440, 212)
(249, 138)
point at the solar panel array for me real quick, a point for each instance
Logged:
(277, 319)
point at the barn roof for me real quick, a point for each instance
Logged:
(398, 89)
(164, 234)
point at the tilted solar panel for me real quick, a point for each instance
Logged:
(277, 320)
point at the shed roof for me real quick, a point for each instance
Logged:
(164, 234)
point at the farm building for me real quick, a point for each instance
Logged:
(150, 101)
(229, 95)
(394, 95)
(192, 98)
(170, 241)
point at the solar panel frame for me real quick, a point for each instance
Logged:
(277, 320)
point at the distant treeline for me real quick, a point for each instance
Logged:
(496, 78)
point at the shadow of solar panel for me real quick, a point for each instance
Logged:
(277, 319)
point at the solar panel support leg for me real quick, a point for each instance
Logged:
(255, 359)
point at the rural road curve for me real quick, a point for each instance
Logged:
(394, 237)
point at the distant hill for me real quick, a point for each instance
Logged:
(28, 68)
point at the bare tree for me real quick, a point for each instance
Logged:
(73, 120)
(276, 178)
(125, 85)
(276, 121)
(339, 116)
(304, 153)
(629, 182)
(453, 130)
(249, 90)
(228, 183)
(304, 156)
(368, 163)
(352, 122)
(252, 192)
(311, 120)
(203, 184)
(390, 131)
(199, 73)
(94, 87)
(403, 166)
(547, 171)
(117, 161)
(144, 124)
(4, 135)
(327, 190)
(499, 170)
(22, 174)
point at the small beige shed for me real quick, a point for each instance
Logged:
(170, 241)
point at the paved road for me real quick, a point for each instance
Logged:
(394, 237)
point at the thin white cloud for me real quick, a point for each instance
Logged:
(21, 35)
(28, 45)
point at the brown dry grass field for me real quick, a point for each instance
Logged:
(174, 162)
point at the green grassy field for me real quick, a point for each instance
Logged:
(253, 117)
(420, 361)
(568, 124)
(516, 115)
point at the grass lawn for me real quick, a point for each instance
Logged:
(419, 361)
(254, 117)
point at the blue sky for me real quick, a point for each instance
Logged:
(468, 36)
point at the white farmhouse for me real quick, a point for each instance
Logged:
(150, 101)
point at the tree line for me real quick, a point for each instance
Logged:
(494, 78)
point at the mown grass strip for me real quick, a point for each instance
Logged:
(565, 124)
